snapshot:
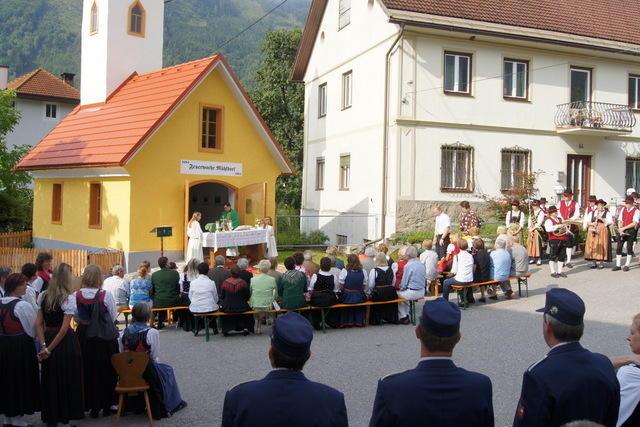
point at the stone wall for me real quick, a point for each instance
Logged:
(417, 215)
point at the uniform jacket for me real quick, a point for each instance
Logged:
(570, 383)
(435, 393)
(284, 398)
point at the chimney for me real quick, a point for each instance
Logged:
(4, 76)
(67, 78)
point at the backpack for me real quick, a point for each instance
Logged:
(101, 326)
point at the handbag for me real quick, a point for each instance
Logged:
(101, 326)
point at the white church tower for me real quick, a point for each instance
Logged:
(118, 38)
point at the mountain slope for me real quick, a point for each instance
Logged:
(46, 33)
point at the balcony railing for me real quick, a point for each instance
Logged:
(598, 116)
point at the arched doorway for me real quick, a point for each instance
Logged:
(209, 198)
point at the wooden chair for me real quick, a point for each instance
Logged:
(130, 366)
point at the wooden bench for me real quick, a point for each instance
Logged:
(323, 312)
(169, 311)
(462, 294)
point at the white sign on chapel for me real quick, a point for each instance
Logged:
(198, 167)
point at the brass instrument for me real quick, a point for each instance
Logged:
(563, 229)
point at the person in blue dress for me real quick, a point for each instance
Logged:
(164, 394)
(352, 284)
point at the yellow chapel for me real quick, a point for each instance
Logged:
(148, 146)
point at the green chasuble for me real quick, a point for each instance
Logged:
(232, 216)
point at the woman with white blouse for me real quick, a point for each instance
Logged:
(60, 351)
(382, 280)
(99, 376)
(194, 232)
(18, 358)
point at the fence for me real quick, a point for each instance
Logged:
(15, 240)
(15, 258)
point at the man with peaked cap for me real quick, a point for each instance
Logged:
(285, 397)
(569, 210)
(570, 383)
(628, 219)
(437, 392)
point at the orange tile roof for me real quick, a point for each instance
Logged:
(40, 83)
(108, 134)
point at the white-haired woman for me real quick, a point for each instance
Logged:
(60, 351)
(264, 291)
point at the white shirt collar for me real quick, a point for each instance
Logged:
(560, 344)
(422, 359)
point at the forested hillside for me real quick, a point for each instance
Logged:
(46, 33)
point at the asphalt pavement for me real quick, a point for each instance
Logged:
(500, 339)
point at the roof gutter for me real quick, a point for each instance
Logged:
(385, 132)
(512, 36)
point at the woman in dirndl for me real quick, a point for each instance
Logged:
(164, 394)
(514, 220)
(235, 294)
(381, 283)
(598, 244)
(536, 233)
(99, 376)
(323, 287)
(20, 389)
(62, 398)
(352, 283)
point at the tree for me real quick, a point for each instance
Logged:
(281, 103)
(16, 198)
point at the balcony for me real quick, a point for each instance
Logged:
(594, 118)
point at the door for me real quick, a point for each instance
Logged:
(579, 177)
(252, 203)
(185, 239)
(580, 86)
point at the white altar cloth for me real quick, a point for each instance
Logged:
(230, 239)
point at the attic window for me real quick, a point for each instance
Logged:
(211, 128)
(93, 22)
(136, 19)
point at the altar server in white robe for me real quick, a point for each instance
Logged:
(194, 232)
(272, 248)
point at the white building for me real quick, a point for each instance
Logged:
(43, 100)
(410, 104)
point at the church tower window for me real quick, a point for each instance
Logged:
(136, 19)
(93, 22)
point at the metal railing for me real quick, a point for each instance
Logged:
(595, 115)
(313, 230)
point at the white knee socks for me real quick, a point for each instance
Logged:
(559, 267)
(618, 260)
(569, 253)
(552, 267)
(628, 263)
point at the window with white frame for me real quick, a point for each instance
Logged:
(322, 100)
(347, 89)
(457, 73)
(515, 79)
(632, 176)
(345, 171)
(320, 173)
(634, 92)
(51, 111)
(456, 168)
(344, 14)
(580, 85)
(341, 239)
(515, 165)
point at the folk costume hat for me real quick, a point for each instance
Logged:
(629, 199)
(552, 209)
(564, 305)
(515, 203)
(601, 202)
(440, 318)
(292, 335)
(543, 200)
(567, 192)
(592, 198)
(535, 202)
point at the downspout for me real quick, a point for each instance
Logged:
(385, 133)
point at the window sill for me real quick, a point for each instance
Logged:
(455, 190)
(319, 189)
(468, 95)
(56, 222)
(343, 189)
(346, 108)
(322, 116)
(210, 150)
(636, 110)
(131, 33)
(516, 99)
(95, 227)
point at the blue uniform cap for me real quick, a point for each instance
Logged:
(292, 335)
(564, 305)
(440, 318)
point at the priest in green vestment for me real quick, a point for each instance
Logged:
(230, 215)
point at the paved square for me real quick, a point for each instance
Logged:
(500, 339)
